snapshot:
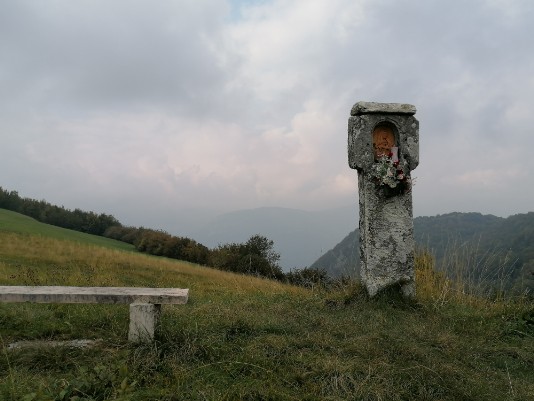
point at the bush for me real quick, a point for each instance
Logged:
(309, 277)
(255, 257)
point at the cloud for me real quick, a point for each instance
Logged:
(114, 56)
(218, 105)
(195, 162)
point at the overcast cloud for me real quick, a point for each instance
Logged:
(154, 111)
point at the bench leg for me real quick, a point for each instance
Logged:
(143, 321)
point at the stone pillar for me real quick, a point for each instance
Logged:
(143, 321)
(383, 145)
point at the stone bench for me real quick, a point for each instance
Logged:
(145, 303)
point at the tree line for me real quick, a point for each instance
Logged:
(41, 210)
(255, 257)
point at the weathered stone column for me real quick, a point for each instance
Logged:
(383, 145)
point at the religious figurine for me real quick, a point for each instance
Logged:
(383, 141)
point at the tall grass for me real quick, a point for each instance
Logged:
(464, 275)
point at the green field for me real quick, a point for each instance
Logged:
(15, 222)
(245, 338)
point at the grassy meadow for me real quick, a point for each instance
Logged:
(15, 222)
(245, 338)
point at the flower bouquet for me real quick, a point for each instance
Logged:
(389, 176)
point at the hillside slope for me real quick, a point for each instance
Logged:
(343, 259)
(492, 248)
(244, 338)
(19, 223)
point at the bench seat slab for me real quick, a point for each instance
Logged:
(110, 295)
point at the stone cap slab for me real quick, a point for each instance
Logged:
(109, 295)
(382, 108)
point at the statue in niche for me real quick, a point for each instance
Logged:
(384, 142)
(388, 173)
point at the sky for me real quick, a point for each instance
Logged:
(163, 112)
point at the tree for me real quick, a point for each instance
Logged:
(263, 247)
(255, 257)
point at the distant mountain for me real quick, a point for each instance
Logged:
(299, 236)
(493, 248)
(343, 259)
(442, 232)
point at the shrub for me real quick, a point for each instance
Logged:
(309, 277)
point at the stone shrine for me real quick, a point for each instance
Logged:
(383, 145)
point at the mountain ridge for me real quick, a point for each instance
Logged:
(491, 246)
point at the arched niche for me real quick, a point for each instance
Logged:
(385, 137)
